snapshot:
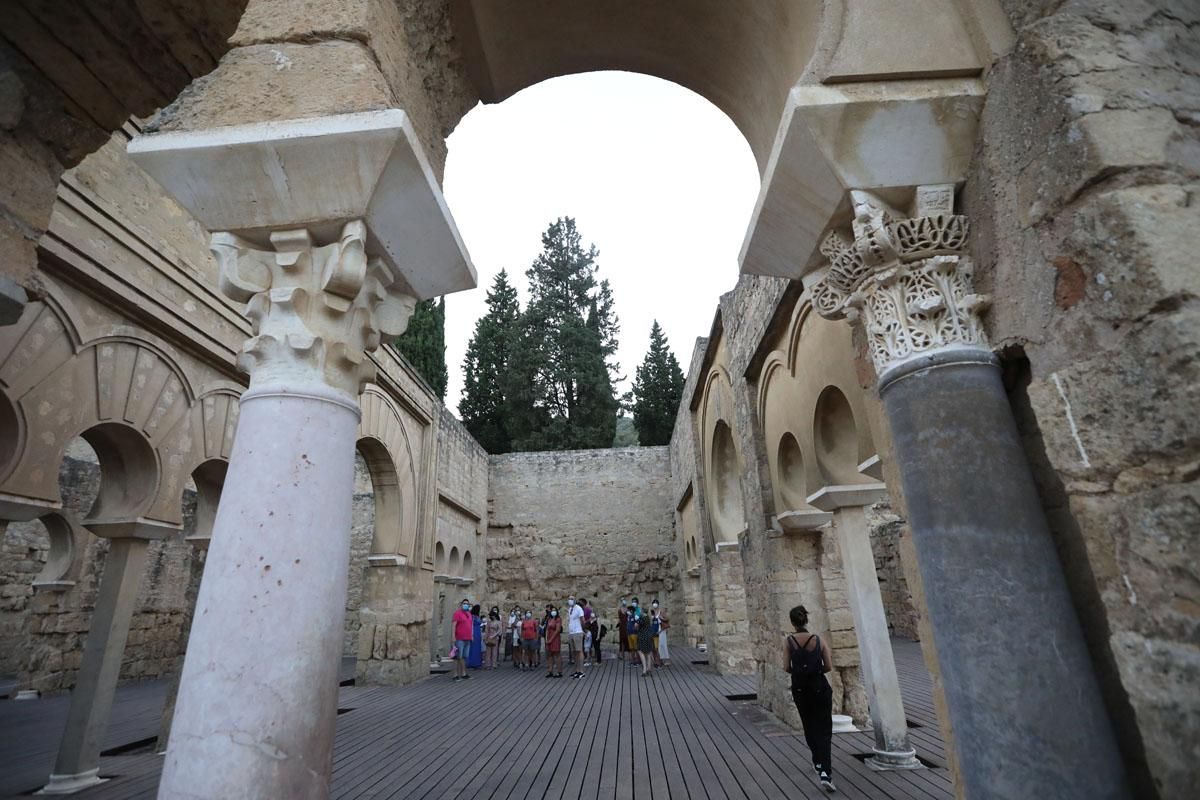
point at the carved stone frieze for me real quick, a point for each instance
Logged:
(316, 310)
(907, 278)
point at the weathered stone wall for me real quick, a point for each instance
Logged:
(1083, 213)
(362, 530)
(887, 530)
(594, 523)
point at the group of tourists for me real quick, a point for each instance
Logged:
(643, 636)
(524, 636)
(481, 641)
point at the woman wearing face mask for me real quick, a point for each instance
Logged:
(645, 642)
(553, 644)
(512, 639)
(634, 616)
(492, 632)
(463, 625)
(529, 640)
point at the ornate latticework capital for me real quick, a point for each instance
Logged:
(907, 278)
(316, 310)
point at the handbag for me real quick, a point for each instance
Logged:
(453, 651)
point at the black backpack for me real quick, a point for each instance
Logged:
(806, 665)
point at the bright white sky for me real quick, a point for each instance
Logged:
(658, 178)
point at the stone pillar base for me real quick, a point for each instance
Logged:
(883, 760)
(69, 784)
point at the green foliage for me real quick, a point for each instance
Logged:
(561, 373)
(627, 435)
(485, 408)
(657, 389)
(424, 343)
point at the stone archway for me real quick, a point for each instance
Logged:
(804, 196)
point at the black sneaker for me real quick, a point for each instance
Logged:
(827, 782)
(456, 678)
(465, 677)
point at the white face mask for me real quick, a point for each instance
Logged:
(571, 602)
(554, 613)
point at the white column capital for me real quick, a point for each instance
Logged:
(317, 310)
(906, 277)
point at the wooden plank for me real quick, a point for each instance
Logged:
(506, 734)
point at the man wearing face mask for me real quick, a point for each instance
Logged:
(575, 635)
(464, 635)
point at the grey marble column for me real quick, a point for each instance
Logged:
(1024, 703)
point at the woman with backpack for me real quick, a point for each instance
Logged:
(807, 659)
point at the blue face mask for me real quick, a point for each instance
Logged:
(466, 607)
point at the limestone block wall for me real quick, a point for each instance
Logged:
(1083, 213)
(594, 523)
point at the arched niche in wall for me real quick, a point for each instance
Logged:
(728, 510)
(790, 481)
(439, 558)
(454, 564)
(466, 564)
(722, 462)
(835, 438)
(390, 448)
(387, 538)
(207, 480)
(128, 474)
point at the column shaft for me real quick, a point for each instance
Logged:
(257, 701)
(78, 761)
(1024, 703)
(874, 644)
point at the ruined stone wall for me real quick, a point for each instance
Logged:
(594, 523)
(1083, 209)
(362, 530)
(887, 530)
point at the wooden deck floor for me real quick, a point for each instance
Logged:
(509, 734)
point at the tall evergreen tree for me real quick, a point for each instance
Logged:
(485, 408)
(424, 343)
(657, 390)
(563, 369)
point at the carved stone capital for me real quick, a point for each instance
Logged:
(316, 310)
(906, 278)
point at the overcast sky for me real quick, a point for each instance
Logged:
(658, 178)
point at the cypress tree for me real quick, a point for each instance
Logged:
(424, 343)
(657, 390)
(563, 369)
(485, 408)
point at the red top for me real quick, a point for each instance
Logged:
(554, 634)
(464, 626)
(529, 629)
